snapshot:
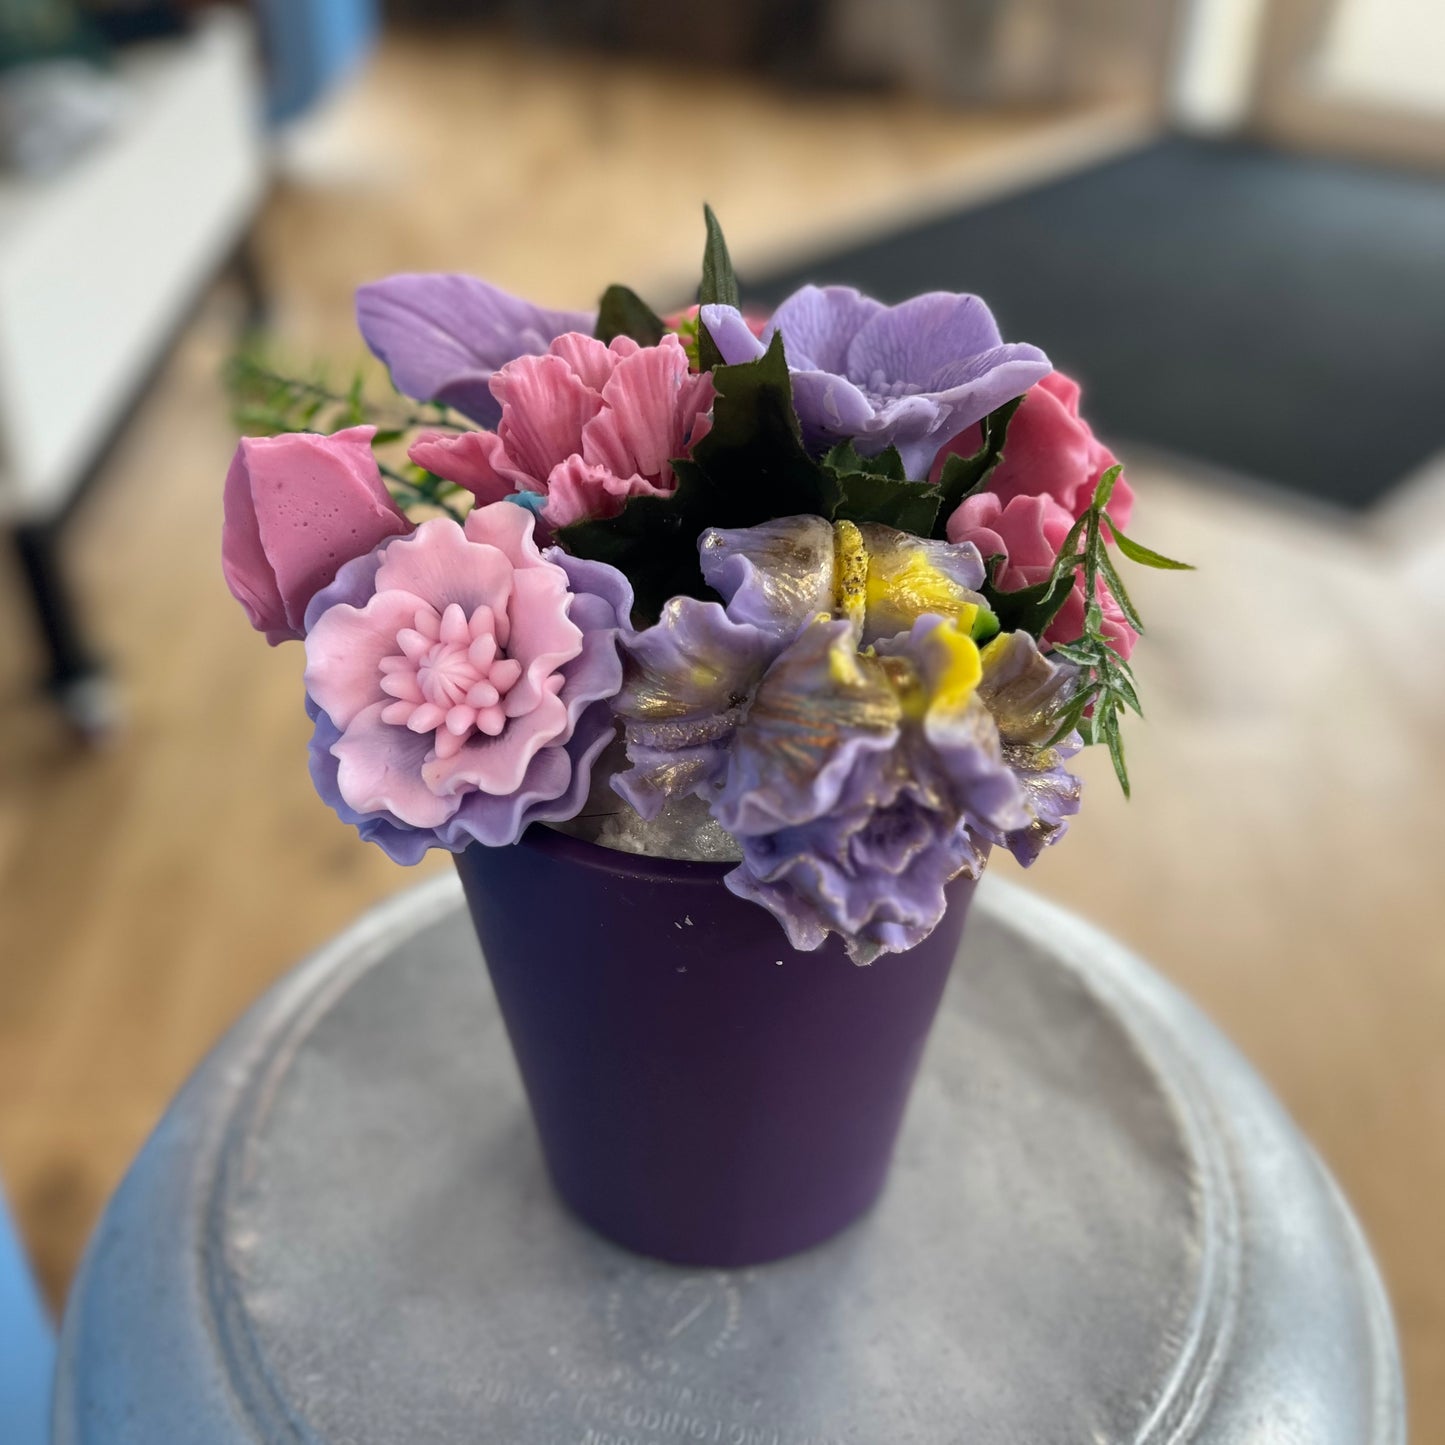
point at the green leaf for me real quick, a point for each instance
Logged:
(750, 468)
(876, 489)
(1115, 584)
(719, 283)
(870, 497)
(719, 287)
(962, 475)
(844, 457)
(1115, 742)
(1027, 609)
(1105, 488)
(622, 312)
(1145, 556)
(1125, 689)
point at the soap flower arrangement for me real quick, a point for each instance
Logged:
(830, 594)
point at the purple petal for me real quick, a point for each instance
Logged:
(443, 335)
(911, 341)
(775, 576)
(816, 714)
(819, 323)
(976, 385)
(731, 334)
(830, 408)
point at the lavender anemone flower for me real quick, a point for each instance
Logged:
(912, 376)
(459, 682)
(838, 717)
(443, 335)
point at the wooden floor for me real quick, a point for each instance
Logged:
(1282, 857)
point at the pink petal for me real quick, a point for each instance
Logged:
(545, 406)
(483, 649)
(482, 694)
(543, 637)
(505, 673)
(577, 490)
(437, 562)
(427, 718)
(454, 626)
(460, 720)
(401, 685)
(319, 501)
(476, 460)
(592, 360)
(641, 428)
(447, 744)
(497, 765)
(381, 768)
(243, 559)
(508, 528)
(344, 651)
(414, 644)
(398, 713)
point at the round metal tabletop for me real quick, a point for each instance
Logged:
(1100, 1228)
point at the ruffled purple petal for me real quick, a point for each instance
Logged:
(442, 336)
(819, 711)
(776, 576)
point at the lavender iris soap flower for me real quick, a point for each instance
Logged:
(831, 593)
(834, 714)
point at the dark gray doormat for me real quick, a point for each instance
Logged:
(1279, 315)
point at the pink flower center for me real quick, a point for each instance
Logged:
(451, 676)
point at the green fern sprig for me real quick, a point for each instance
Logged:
(1107, 688)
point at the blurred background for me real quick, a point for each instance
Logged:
(1225, 217)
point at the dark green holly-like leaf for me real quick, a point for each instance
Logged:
(844, 457)
(653, 540)
(870, 497)
(750, 468)
(962, 475)
(622, 312)
(876, 489)
(1028, 609)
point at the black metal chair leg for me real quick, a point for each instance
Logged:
(76, 678)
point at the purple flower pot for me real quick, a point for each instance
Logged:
(704, 1094)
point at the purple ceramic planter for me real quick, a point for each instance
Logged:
(704, 1094)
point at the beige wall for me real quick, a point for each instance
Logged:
(1389, 53)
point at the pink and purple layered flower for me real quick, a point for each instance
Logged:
(582, 428)
(443, 336)
(910, 376)
(459, 681)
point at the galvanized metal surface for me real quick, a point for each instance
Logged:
(1100, 1228)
